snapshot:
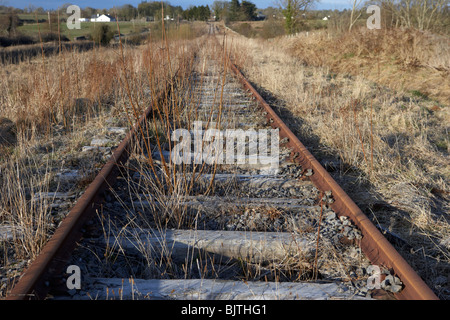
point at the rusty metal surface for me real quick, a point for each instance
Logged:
(374, 244)
(34, 282)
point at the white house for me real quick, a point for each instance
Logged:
(102, 18)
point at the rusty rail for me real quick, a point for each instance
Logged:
(374, 244)
(35, 281)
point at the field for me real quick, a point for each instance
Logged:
(373, 108)
(30, 28)
(126, 28)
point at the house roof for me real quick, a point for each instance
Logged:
(95, 16)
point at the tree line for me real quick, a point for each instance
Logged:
(200, 13)
(234, 10)
(418, 14)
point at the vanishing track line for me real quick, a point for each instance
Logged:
(252, 229)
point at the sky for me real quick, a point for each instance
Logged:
(106, 4)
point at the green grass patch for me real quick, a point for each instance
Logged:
(126, 27)
(419, 94)
(348, 55)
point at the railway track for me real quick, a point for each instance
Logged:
(221, 201)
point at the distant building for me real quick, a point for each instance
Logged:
(84, 20)
(102, 18)
(260, 16)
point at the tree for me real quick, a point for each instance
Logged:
(126, 12)
(272, 13)
(290, 16)
(220, 9)
(420, 14)
(234, 13)
(197, 13)
(292, 11)
(87, 12)
(249, 10)
(102, 34)
(204, 13)
(31, 8)
(154, 9)
(355, 14)
(9, 22)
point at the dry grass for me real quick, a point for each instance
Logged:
(162, 186)
(392, 148)
(404, 60)
(161, 190)
(54, 103)
(168, 183)
(389, 149)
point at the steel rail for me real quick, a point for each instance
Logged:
(379, 251)
(34, 282)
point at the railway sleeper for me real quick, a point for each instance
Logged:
(181, 245)
(213, 289)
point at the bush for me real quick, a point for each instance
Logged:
(51, 36)
(135, 39)
(15, 41)
(102, 34)
(245, 29)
